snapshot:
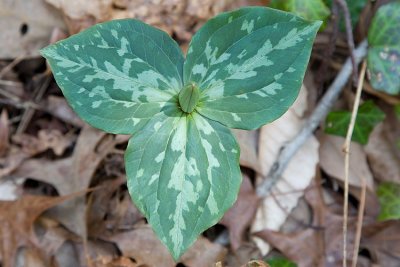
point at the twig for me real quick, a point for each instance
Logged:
(350, 38)
(360, 218)
(346, 150)
(320, 112)
(327, 55)
(11, 65)
(29, 112)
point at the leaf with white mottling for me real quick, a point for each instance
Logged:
(249, 65)
(384, 49)
(114, 81)
(243, 69)
(183, 174)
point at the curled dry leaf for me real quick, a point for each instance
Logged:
(238, 218)
(285, 194)
(332, 161)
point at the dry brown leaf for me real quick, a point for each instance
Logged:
(142, 245)
(145, 248)
(203, 253)
(4, 132)
(332, 161)
(111, 209)
(298, 174)
(382, 153)
(382, 239)
(176, 17)
(71, 175)
(317, 246)
(25, 146)
(58, 107)
(238, 218)
(26, 26)
(248, 141)
(16, 223)
(46, 139)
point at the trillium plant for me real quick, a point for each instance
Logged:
(243, 69)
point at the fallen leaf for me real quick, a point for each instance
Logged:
(273, 211)
(382, 240)
(256, 263)
(58, 107)
(332, 161)
(176, 17)
(238, 218)
(16, 223)
(383, 155)
(26, 26)
(71, 175)
(111, 209)
(319, 245)
(145, 248)
(248, 142)
(203, 253)
(47, 139)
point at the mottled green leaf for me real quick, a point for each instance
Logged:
(183, 174)
(280, 262)
(308, 9)
(243, 69)
(384, 49)
(249, 65)
(116, 75)
(369, 115)
(389, 199)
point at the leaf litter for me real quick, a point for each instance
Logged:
(103, 228)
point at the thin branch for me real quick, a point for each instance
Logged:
(320, 112)
(346, 150)
(360, 218)
(350, 39)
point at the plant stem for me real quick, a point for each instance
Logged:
(346, 150)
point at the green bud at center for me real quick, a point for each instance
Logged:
(189, 97)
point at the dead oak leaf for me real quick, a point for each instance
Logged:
(16, 223)
(320, 245)
(71, 175)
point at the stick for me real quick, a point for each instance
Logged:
(349, 34)
(360, 218)
(346, 150)
(320, 112)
